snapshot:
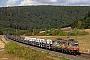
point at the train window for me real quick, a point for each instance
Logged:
(75, 44)
(68, 43)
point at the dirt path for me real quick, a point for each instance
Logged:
(2, 44)
(5, 56)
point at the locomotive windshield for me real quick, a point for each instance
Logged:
(75, 44)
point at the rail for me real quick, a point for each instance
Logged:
(3, 39)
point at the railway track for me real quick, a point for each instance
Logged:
(5, 41)
(83, 56)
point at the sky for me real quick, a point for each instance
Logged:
(6, 3)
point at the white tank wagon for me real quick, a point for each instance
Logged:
(48, 43)
(26, 40)
(43, 43)
(18, 38)
(21, 39)
(38, 42)
(33, 41)
(30, 41)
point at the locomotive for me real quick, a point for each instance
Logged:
(66, 46)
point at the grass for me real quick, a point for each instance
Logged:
(24, 53)
(29, 54)
(5, 56)
(84, 44)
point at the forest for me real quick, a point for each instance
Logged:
(28, 18)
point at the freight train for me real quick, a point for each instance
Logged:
(66, 46)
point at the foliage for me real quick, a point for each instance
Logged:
(1, 33)
(62, 33)
(30, 20)
(27, 53)
(38, 17)
(55, 32)
(11, 47)
(79, 24)
(86, 23)
(62, 58)
(76, 31)
(36, 31)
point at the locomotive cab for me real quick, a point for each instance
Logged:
(73, 47)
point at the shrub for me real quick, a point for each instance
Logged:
(11, 47)
(25, 52)
(62, 33)
(76, 31)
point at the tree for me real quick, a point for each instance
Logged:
(1, 33)
(86, 23)
(79, 24)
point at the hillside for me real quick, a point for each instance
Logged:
(30, 17)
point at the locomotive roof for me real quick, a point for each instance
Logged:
(72, 40)
(62, 40)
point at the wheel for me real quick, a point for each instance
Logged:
(41, 45)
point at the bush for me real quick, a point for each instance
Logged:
(1, 33)
(26, 53)
(82, 33)
(76, 31)
(11, 47)
(62, 33)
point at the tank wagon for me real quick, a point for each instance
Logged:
(66, 46)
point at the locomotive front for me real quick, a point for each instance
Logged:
(73, 47)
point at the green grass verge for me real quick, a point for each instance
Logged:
(29, 54)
